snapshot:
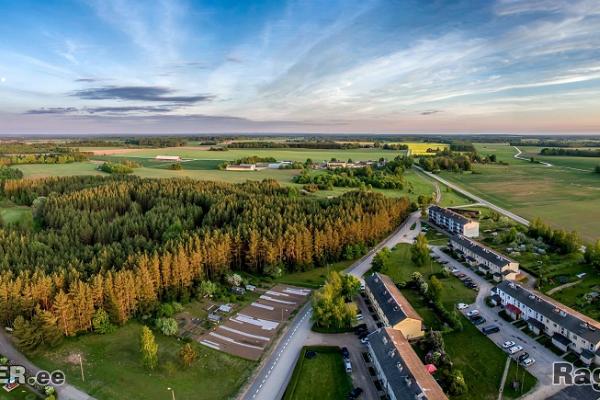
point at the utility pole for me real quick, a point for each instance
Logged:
(81, 367)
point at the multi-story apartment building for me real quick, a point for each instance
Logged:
(402, 374)
(485, 259)
(453, 222)
(569, 329)
(392, 307)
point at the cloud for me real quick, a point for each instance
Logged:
(430, 112)
(126, 109)
(138, 93)
(52, 110)
(87, 80)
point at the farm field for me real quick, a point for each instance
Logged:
(320, 378)
(113, 368)
(202, 153)
(562, 197)
(584, 163)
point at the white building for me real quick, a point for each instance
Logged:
(569, 329)
(485, 259)
(453, 222)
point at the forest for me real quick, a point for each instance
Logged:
(121, 245)
(569, 152)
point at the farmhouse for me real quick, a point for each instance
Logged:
(488, 261)
(453, 222)
(402, 374)
(392, 307)
(569, 329)
(168, 158)
(241, 167)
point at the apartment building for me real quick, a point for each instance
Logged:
(453, 222)
(392, 307)
(486, 260)
(568, 329)
(402, 374)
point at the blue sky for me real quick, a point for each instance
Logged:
(116, 66)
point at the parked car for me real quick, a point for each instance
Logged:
(515, 349)
(355, 393)
(472, 313)
(524, 356)
(348, 366)
(345, 353)
(380, 324)
(454, 269)
(462, 306)
(479, 320)
(528, 362)
(488, 330)
(508, 344)
(359, 317)
(364, 340)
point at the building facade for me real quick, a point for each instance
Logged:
(453, 222)
(401, 372)
(568, 329)
(486, 260)
(392, 307)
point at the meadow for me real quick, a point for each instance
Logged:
(583, 163)
(113, 368)
(563, 197)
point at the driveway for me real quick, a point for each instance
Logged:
(542, 369)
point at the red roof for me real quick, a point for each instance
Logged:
(514, 309)
(431, 368)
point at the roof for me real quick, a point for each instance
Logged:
(401, 364)
(450, 214)
(561, 339)
(482, 251)
(587, 354)
(393, 304)
(496, 298)
(569, 319)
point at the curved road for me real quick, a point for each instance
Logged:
(274, 374)
(478, 199)
(65, 391)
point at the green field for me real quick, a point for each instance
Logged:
(15, 215)
(320, 378)
(564, 198)
(19, 393)
(113, 368)
(280, 154)
(482, 364)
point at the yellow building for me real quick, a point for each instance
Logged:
(392, 307)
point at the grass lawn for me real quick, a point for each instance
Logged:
(313, 278)
(16, 214)
(44, 170)
(400, 269)
(563, 197)
(19, 393)
(113, 369)
(482, 364)
(320, 378)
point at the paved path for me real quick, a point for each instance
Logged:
(518, 157)
(478, 199)
(66, 391)
(542, 369)
(276, 370)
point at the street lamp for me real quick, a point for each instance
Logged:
(172, 392)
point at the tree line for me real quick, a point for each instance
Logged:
(123, 244)
(569, 152)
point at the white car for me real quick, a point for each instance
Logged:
(515, 349)
(528, 362)
(454, 269)
(359, 317)
(508, 344)
(364, 340)
(473, 313)
(348, 366)
(462, 306)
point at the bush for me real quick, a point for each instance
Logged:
(167, 326)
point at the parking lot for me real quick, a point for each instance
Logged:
(248, 333)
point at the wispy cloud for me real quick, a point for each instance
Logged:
(139, 93)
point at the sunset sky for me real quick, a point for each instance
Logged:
(116, 66)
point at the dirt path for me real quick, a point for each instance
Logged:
(561, 287)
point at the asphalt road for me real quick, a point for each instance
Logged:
(478, 199)
(275, 371)
(65, 391)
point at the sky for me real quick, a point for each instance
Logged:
(367, 66)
